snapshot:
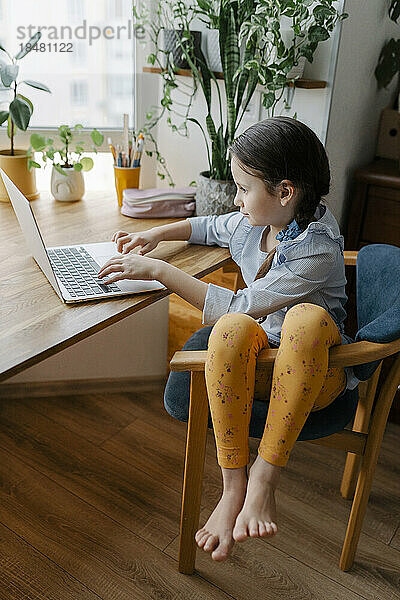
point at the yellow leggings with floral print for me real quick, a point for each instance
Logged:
(301, 381)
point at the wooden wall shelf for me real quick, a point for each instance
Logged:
(309, 84)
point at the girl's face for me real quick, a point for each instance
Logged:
(260, 206)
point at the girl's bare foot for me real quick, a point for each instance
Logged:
(216, 535)
(258, 515)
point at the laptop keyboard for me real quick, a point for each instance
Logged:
(77, 271)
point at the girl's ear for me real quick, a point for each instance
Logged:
(286, 191)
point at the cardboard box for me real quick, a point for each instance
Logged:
(388, 145)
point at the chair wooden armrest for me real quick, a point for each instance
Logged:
(350, 257)
(345, 355)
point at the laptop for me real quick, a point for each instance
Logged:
(72, 270)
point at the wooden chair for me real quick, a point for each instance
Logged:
(362, 443)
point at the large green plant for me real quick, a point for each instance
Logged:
(20, 108)
(389, 59)
(252, 52)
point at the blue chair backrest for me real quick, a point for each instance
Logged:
(378, 299)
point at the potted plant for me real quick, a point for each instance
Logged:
(389, 59)
(17, 116)
(67, 183)
(252, 52)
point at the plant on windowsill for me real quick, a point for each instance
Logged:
(17, 116)
(252, 51)
(67, 183)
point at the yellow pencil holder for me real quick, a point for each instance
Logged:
(125, 177)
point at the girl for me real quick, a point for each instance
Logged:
(290, 251)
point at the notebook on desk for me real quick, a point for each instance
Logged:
(71, 270)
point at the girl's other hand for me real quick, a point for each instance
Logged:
(126, 242)
(131, 266)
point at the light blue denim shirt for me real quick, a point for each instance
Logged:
(309, 268)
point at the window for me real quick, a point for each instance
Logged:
(116, 9)
(83, 45)
(86, 56)
(79, 56)
(79, 93)
(119, 86)
(75, 10)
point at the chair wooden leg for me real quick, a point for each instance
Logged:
(367, 392)
(368, 464)
(193, 474)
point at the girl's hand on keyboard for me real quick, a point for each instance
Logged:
(130, 266)
(148, 240)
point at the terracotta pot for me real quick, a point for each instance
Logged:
(16, 167)
(69, 187)
(213, 196)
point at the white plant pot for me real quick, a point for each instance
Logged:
(69, 187)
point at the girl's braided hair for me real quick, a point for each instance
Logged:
(283, 148)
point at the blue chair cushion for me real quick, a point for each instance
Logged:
(378, 299)
(320, 423)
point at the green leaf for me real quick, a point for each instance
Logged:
(388, 63)
(204, 5)
(394, 10)
(50, 153)
(3, 116)
(60, 170)
(268, 100)
(38, 142)
(8, 74)
(9, 126)
(29, 45)
(78, 167)
(151, 59)
(97, 137)
(26, 100)
(87, 163)
(20, 113)
(321, 12)
(317, 33)
(37, 85)
(32, 163)
(78, 126)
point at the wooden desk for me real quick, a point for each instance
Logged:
(34, 323)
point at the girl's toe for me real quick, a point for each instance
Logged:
(221, 553)
(199, 534)
(262, 528)
(274, 527)
(253, 528)
(203, 539)
(268, 528)
(211, 543)
(240, 533)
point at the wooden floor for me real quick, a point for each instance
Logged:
(90, 502)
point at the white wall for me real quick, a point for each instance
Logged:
(356, 103)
